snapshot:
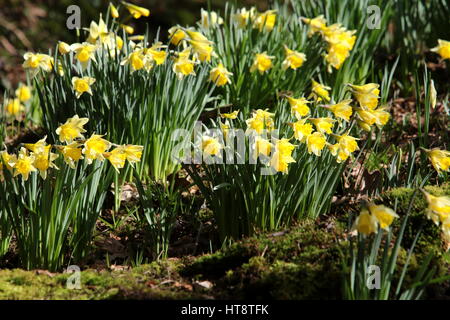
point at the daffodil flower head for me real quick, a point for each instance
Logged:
(82, 85)
(209, 18)
(72, 153)
(440, 159)
(315, 143)
(176, 35)
(320, 92)
(72, 129)
(233, 115)
(443, 49)
(265, 21)
(293, 60)
(323, 125)
(367, 95)
(342, 110)
(211, 146)
(299, 107)
(438, 207)
(243, 16)
(220, 75)
(262, 62)
(136, 11)
(8, 160)
(84, 52)
(36, 61)
(317, 24)
(384, 215)
(23, 93)
(302, 130)
(13, 107)
(366, 223)
(24, 164)
(95, 147)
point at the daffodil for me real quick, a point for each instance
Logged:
(202, 50)
(282, 155)
(443, 49)
(117, 157)
(43, 160)
(262, 63)
(299, 107)
(302, 130)
(24, 164)
(182, 65)
(63, 47)
(220, 76)
(265, 21)
(440, 159)
(82, 85)
(384, 215)
(176, 34)
(367, 95)
(95, 147)
(136, 11)
(128, 29)
(438, 207)
(84, 52)
(337, 151)
(365, 223)
(23, 93)
(342, 110)
(13, 107)
(36, 61)
(347, 142)
(293, 60)
(211, 146)
(315, 143)
(233, 115)
(98, 31)
(262, 147)
(113, 11)
(209, 18)
(243, 16)
(8, 160)
(72, 153)
(323, 125)
(133, 153)
(320, 92)
(316, 25)
(72, 129)
(156, 53)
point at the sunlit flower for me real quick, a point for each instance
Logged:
(35, 61)
(24, 164)
(209, 18)
(202, 50)
(84, 52)
(440, 159)
(136, 11)
(320, 92)
(95, 147)
(347, 142)
(183, 66)
(72, 153)
(220, 76)
(117, 157)
(98, 31)
(438, 207)
(282, 155)
(233, 115)
(260, 120)
(225, 128)
(211, 146)
(63, 47)
(367, 95)
(43, 160)
(133, 153)
(323, 125)
(443, 49)
(82, 85)
(299, 107)
(8, 160)
(113, 11)
(243, 16)
(315, 143)
(317, 24)
(293, 59)
(72, 129)
(342, 110)
(262, 147)
(128, 29)
(262, 63)
(265, 21)
(302, 130)
(13, 107)
(384, 215)
(365, 223)
(337, 151)
(176, 34)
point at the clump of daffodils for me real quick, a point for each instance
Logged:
(340, 41)
(15, 106)
(373, 216)
(38, 157)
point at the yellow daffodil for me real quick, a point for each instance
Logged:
(367, 95)
(133, 153)
(225, 128)
(209, 18)
(384, 215)
(43, 160)
(176, 34)
(302, 130)
(337, 151)
(233, 115)
(72, 129)
(136, 11)
(366, 223)
(98, 31)
(84, 52)
(261, 119)
(72, 153)
(299, 107)
(293, 59)
(95, 147)
(34, 62)
(317, 24)
(438, 207)
(320, 92)
(128, 29)
(266, 21)
(13, 107)
(443, 49)
(342, 110)
(82, 85)
(211, 146)
(117, 157)
(23, 93)
(262, 147)
(202, 50)
(243, 16)
(262, 63)
(440, 159)
(7, 160)
(347, 142)
(63, 48)
(182, 65)
(220, 76)
(315, 143)
(323, 125)
(113, 11)
(282, 155)
(24, 164)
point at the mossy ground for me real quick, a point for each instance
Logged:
(303, 262)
